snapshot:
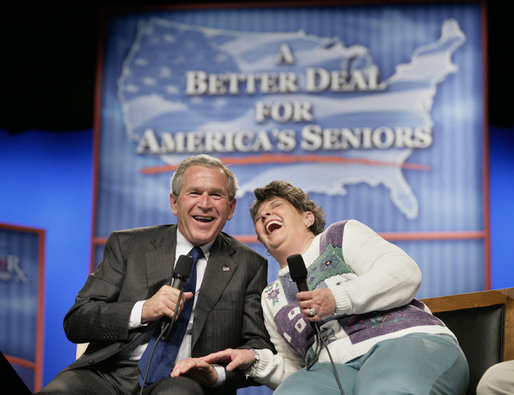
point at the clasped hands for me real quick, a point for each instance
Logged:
(200, 369)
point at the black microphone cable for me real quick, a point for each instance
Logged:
(164, 329)
(321, 343)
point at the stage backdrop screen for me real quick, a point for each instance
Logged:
(376, 111)
(21, 301)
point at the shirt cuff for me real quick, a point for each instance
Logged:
(222, 375)
(135, 315)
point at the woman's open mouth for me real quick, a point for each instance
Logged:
(272, 226)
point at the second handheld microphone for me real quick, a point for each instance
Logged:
(298, 271)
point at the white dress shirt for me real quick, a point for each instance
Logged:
(183, 248)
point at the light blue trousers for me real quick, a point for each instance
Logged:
(412, 364)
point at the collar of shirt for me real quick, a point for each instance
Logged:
(184, 246)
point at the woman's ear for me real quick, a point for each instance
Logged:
(309, 218)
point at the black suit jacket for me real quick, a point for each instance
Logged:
(136, 263)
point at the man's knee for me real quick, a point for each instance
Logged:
(177, 385)
(65, 383)
(77, 382)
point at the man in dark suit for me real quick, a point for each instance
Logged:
(127, 297)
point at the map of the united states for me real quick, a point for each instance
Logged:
(308, 109)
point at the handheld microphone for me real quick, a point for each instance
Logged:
(298, 271)
(180, 275)
(182, 271)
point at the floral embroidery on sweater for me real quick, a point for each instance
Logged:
(331, 265)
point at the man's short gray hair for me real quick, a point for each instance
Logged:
(206, 161)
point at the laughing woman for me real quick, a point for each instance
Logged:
(380, 339)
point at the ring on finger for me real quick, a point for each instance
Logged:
(312, 312)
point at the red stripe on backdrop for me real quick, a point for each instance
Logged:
(21, 362)
(386, 235)
(281, 158)
(403, 236)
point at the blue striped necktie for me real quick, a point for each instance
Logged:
(166, 350)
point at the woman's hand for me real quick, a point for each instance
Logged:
(236, 358)
(316, 304)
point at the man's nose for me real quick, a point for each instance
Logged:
(205, 200)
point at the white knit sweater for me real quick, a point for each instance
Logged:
(373, 282)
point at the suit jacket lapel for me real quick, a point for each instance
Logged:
(159, 261)
(220, 269)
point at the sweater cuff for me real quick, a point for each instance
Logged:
(343, 303)
(261, 369)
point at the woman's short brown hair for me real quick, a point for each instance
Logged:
(294, 195)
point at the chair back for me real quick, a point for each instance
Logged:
(484, 325)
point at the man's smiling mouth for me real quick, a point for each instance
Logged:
(203, 219)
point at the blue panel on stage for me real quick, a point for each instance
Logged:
(19, 279)
(20, 304)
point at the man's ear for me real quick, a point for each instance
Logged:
(173, 204)
(232, 205)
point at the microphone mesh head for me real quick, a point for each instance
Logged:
(297, 267)
(183, 267)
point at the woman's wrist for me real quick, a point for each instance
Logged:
(248, 372)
